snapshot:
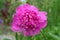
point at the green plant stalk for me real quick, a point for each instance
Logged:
(21, 37)
(16, 36)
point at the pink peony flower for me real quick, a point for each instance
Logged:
(29, 20)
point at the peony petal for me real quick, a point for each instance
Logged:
(31, 33)
(16, 27)
(42, 16)
(33, 8)
(22, 8)
(43, 12)
(43, 24)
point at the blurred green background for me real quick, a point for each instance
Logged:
(52, 7)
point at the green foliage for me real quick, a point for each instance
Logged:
(1, 4)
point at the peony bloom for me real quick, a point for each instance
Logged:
(29, 20)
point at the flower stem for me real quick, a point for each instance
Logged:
(29, 37)
(21, 37)
(16, 36)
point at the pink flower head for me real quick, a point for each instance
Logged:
(29, 20)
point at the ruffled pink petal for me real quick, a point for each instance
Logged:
(42, 16)
(22, 8)
(16, 29)
(43, 24)
(16, 26)
(33, 8)
(43, 12)
(32, 33)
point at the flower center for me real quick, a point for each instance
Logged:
(29, 19)
(29, 27)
